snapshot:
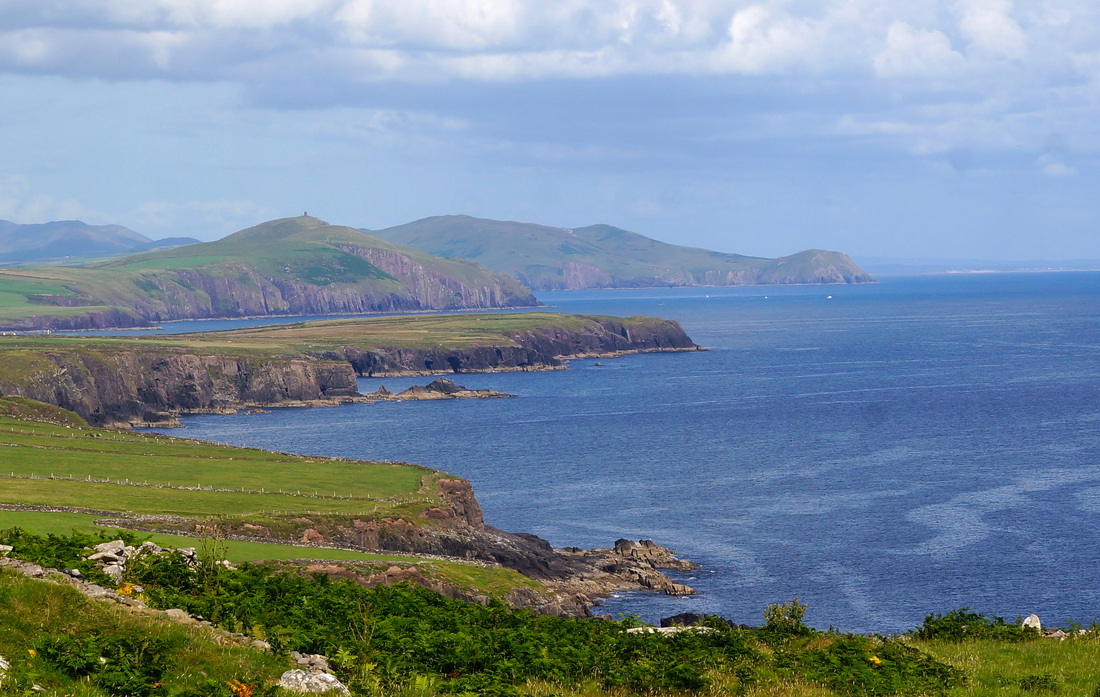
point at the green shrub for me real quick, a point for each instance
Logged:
(1044, 682)
(962, 625)
(859, 665)
(62, 551)
(128, 665)
(786, 618)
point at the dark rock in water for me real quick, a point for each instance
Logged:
(691, 619)
(440, 388)
(443, 385)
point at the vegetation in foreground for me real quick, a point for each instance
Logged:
(402, 640)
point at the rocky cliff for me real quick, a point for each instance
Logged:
(121, 388)
(127, 383)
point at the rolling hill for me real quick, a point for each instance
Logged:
(602, 256)
(282, 267)
(67, 240)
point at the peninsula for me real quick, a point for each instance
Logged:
(113, 381)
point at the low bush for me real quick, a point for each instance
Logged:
(963, 625)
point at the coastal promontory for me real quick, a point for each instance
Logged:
(127, 381)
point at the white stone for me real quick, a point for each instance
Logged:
(106, 557)
(4, 549)
(668, 630)
(116, 547)
(311, 683)
(4, 665)
(1032, 622)
(113, 572)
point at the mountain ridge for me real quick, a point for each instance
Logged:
(281, 267)
(64, 239)
(604, 256)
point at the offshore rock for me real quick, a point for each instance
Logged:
(440, 388)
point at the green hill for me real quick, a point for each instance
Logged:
(602, 256)
(290, 266)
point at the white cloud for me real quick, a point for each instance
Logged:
(761, 40)
(20, 203)
(916, 52)
(991, 29)
(528, 39)
(1057, 169)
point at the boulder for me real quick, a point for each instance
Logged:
(1032, 622)
(114, 572)
(311, 683)
(115, 547)
(107, 558)
(5, 550)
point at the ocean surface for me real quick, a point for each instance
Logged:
(879, 452)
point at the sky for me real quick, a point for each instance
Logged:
(881, 128)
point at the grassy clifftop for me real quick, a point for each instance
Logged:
(186, 486)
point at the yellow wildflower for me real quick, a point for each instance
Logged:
(32, 652)
(875, 661)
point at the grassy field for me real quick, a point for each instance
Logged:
(1070, 668)
(303, 338)
(151, 474)
(42, 523)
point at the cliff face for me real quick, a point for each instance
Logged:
(120, 388)
(541, 349)
(144, 385)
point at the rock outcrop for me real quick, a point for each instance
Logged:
(311, 682)
(440, 388)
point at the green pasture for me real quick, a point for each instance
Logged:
(45, 450)
(309, 338)
(43, 523)
(1070, 668)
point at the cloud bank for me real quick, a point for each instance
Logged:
(360, 41)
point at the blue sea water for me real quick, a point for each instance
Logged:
(879, 452)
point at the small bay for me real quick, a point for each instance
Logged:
(879, 452)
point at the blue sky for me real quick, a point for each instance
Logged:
(947, 129)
